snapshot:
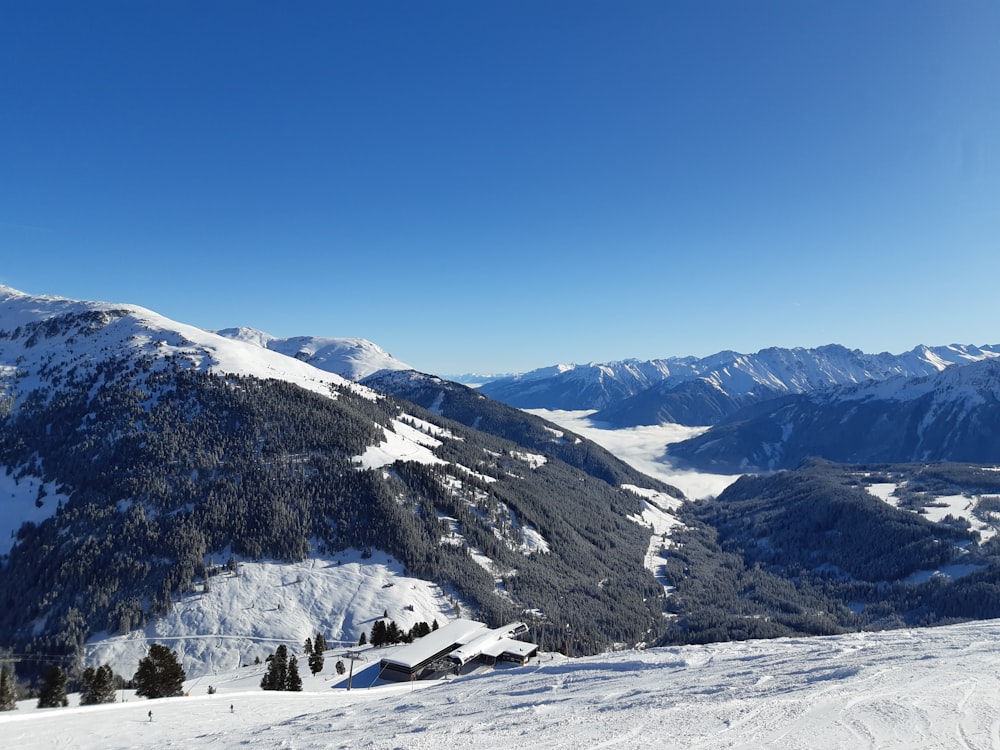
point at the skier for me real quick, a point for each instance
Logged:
(150, 715)
(230, 708)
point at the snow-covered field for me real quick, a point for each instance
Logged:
(930, 688)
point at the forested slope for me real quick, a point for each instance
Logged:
(814, 551)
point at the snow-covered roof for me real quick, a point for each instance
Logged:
(437, 641)
(485, 642)
(509, 646)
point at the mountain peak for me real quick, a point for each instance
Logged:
(351, 358)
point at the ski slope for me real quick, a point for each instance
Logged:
(929, 688)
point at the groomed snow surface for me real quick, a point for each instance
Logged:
(929, 688)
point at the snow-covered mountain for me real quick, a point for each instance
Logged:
(351, 358)
(952, 415)
(704, 391)
(140, 453)
(576, 387)
(45, 338)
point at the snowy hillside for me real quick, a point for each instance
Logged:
(48, 341)
(929, 688)
(55, 335)
(247, 614)
(351, 358)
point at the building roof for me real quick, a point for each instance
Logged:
(484, 642)
(509, 646)
(437, 642)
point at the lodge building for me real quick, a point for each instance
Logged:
(455, 645)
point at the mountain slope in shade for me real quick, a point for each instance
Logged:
(704, 391)
(351, 358)
(469, 407)
(953, 415)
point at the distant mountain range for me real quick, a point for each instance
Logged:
(952, 415)
(705, 391)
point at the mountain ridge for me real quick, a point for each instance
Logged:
(951, 415)
(351, 358)
(702, 391)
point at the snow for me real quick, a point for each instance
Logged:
(402, 443)
(926, 688)
(140, 329)
(957, 506)
(948, 571)
(930, 688)
(352, 358)
(18, 505)
(643, 448)
(658, 515)
(531, 538)
(948, 505)
(884, 492)
(534, 460)
(248, 615)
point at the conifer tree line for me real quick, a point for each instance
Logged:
(53, 692)
(389, 633)
(95, 684)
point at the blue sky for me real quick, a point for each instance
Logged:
(498, 186)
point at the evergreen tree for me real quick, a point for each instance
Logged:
(308, 647)
(316, 658)
(8, 689)
(292, 680)
(159, 674)
(53, 692)
(392, 634)
(379, 634)
(363, 640)
(98, 686)
(276, 676)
